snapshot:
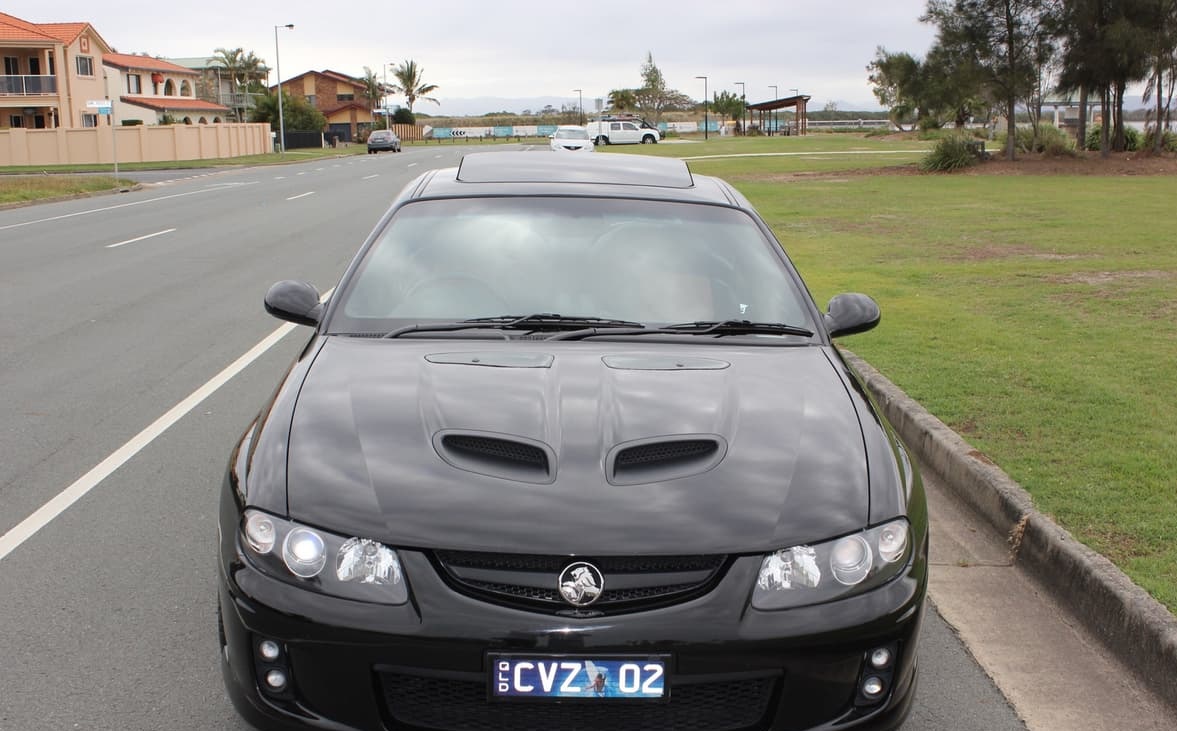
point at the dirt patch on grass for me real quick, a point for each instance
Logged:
(1091, 163)
(1103, 278)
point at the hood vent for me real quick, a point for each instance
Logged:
(496, 455)
(664, 458)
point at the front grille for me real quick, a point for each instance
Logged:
(445, 704)
(631, 583)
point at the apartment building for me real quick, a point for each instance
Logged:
(152, 91)
(51, 70)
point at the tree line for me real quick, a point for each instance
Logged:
(994, 55)
(247, 74)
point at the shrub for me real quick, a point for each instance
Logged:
(1132, 138)
(952, 152)
(1050, 141)
(1168, 140)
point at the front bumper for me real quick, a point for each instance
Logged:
(423, 665)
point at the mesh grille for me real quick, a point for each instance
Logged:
(646, 455)
(531, 581)
(442, 704)
(498, 449)
(608, 564)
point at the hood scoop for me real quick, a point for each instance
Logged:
(497, 455)
(663, 458)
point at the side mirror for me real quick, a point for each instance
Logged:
(851, 313)
(295, 301)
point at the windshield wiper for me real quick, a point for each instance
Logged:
(703, 327)
(533, 322)
(738, 327)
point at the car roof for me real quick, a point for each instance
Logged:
(611, 175)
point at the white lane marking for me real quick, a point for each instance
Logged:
(303, 173)
(369, 177)
(140, 238)
(279, 177)
(61, 502)
(300, 195)
(112, 208)
(412, 164)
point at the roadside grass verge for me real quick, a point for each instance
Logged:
(24, 188)
(1036, 316)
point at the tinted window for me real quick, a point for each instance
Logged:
(636, 260)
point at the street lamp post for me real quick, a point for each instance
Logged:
(772, 112)
(796, 120)
(579, 105)
(705, 125)
(278, 71)
(743, 108)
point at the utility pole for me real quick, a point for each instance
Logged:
(278, 71)
(743, 108)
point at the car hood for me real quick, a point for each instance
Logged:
(571, 144)
(387, 440)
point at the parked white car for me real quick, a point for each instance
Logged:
(571, 137)
(627, 131)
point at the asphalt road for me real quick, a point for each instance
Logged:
(117, 309)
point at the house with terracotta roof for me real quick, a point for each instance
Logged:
(341, 99)
(51, 71)
(153, 91)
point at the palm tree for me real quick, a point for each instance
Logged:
(409, 82)
(253, 70)
(233, 61)
(621, 100)
(373, 90)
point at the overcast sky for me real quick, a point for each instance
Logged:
(503, 54)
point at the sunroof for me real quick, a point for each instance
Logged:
(574, 167)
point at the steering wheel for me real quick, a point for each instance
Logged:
(467, 295)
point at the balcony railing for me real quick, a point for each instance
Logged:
(238, 101)
(27, 85)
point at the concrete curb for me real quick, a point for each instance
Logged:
(1135, 628)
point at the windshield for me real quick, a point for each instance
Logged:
(571, 134)
(642, 261)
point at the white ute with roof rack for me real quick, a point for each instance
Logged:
(622, 130)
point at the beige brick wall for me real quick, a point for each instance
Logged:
(135, 144)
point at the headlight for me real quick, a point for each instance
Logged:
(803, 575)
(362, 569)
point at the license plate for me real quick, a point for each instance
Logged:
(520, 676)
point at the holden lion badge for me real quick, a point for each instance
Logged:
(581, 584)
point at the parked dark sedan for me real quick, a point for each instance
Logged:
(570, 446)
(383, 139)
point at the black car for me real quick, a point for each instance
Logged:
(383, 139)
(570, 447)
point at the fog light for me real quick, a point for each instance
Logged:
(269, 650)
(276, 679)
(880, 658)
(873, 687)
